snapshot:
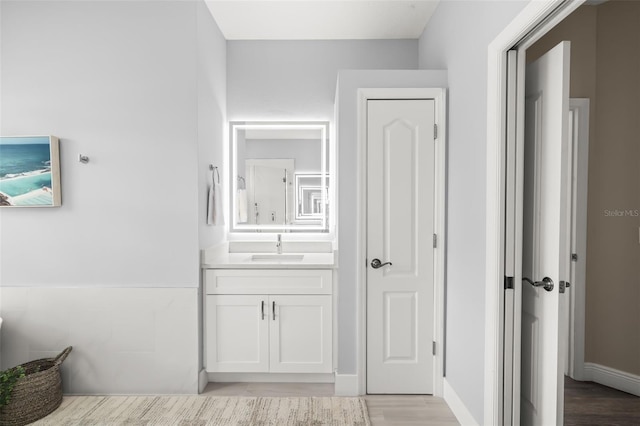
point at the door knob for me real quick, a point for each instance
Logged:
(546, 283)
(376, 263)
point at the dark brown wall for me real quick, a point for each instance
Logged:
(605, 67)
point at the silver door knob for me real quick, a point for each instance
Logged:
(376, 263)
(546, 283)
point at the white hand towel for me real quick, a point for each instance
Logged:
(211, 195)
(218, 213)
(241, 205)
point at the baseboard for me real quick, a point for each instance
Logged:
(346, 385)
(457, 406)
(203, 380)
(271, 377)
(613, 378)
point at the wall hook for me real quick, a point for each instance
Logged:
(83, 159)
(212, 168)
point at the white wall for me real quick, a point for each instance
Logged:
(212, 133)
(296, 80)
(347, 115)
(456, 39)
(305, 152)
(115, 81)
(139, 88)
(212, 107)
(125, 340)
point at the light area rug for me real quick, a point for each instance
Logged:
(208, 410)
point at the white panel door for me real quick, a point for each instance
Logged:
(400, 226)
(300, 329)
(269, 199)
(545, 235)
(237, 331)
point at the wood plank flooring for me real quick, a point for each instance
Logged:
(409, 410)
(384, 410)
(591, 404)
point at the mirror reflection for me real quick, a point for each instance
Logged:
(280, 176)
(310, 196)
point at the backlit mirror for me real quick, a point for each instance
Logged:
(280, 179)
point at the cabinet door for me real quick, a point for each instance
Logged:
(237, 331)
(300, 334)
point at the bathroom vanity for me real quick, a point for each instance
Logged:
(268, 312)
(268, 293)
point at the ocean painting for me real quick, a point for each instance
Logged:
(29, 171)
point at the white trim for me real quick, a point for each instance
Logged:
(203, 380)
(271, 377)
(519, 228)
(526, 24)
(580, 125)
(613, 378)
(347, 385)
(462, 413)
(439, 95)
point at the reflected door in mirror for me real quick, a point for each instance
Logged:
(268, 195)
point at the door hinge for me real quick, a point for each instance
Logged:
(508, 283)
(574, 257)
(435, 131)
(433, 348)
(435, 240)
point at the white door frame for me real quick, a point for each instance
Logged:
(439, 96)
(579, 108)
(535, 20)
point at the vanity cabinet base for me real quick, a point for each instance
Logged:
(269, 333)
(271, 377)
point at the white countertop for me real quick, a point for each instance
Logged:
(244, 261)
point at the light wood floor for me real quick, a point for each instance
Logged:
(384, 410)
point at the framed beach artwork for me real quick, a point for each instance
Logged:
(29, 171)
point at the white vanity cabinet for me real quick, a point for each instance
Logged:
(237, 333)
(268, 321)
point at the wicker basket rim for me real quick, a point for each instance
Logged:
(37, 374)
(55, 363)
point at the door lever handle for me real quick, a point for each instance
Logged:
(376, 263)
(546, 283)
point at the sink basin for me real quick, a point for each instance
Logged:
(278, 257)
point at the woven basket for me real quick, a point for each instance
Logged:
(37, 394)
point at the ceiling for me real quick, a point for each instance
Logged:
(321, 19)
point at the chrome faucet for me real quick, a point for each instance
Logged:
(279, 244)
